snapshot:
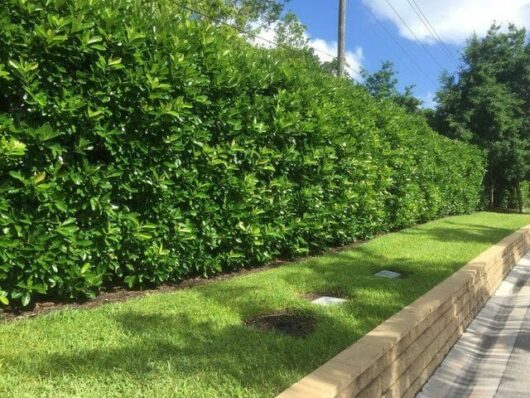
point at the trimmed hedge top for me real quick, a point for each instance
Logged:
(141, 145)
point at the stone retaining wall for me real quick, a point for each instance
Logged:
(396, 358)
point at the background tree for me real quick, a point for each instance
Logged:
(241, 13)
(291, 32)
(487, 103)
(332, 66)
(382, 84)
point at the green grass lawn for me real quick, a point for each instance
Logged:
(192, 343)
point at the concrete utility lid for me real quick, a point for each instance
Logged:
(388, 274)
(328, 300)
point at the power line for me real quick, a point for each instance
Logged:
(417, 9)
(413, 34)
(434, 31)
(431, 30)
(398, 43)
(254, 35)
(212, 19)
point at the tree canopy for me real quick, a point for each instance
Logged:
(240, 13)
(487, 103)
(382, 84)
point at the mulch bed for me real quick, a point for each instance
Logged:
(120, 294)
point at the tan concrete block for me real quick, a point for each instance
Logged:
(422, 378)
(369, 359)
(418, 348)
(385, 338)
(403, 370)
(327, 381)
(452, 319)
(416, 319)
(305, 390)
(374, 389)
(444, 341)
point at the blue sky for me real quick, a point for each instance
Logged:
(369, 44)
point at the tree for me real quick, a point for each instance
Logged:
(255, 16)
(332, 66)
(240, 13)
(382, 84)
(487, 103)
(291, 32)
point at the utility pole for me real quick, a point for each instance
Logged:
(342, 37)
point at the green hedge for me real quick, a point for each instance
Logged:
(140, 145)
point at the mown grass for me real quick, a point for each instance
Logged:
(192, 343)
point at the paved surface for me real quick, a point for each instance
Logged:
(492, 358)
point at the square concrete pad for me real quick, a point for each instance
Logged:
(388, 274)
(327, 300)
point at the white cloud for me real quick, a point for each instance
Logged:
(428, 101)
(326, 51)
(453, 20)
(265, 36)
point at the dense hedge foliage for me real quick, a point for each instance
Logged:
(141, 146)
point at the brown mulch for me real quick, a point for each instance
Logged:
(120, 294)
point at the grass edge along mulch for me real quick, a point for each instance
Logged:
(118, 294)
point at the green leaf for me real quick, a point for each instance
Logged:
(142, 236)
(131, 280)
(95, 114)
(94, 39)
(4, 74)
(23, 67)
(39, 178)
(18, 176)
(11, 147)
(26, 298)
(85, 268)
(46, 133)
(115, 63)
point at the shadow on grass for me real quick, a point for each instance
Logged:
(181, 347)
(471, 233)
(220, 350)
(354, 272)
